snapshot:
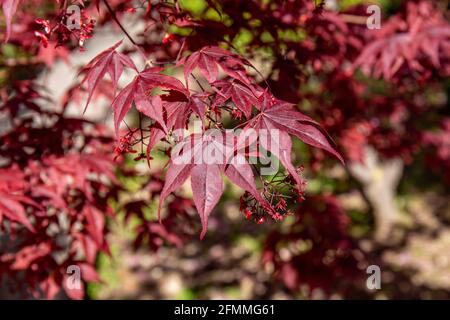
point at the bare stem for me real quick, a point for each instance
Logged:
(113, 15)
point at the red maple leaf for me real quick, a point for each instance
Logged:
(243, 97)
(206, 173)
(109, 61)
(277, 114)
(139, 92)
(209, 58)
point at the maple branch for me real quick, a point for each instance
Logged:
(350, 18)
(126, 124)
(113, 15)
(181, 50)
(198, 82)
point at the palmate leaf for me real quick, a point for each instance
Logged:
(139, 91)
(207, 188)
(276, 114)
(206, 174)
(240, 94)
(283, 116)
(109, 61)
(209, 58)
(173, 108)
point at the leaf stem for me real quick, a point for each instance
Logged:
(141, 132)
(113, 15)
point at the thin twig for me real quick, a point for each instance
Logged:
(113, 15)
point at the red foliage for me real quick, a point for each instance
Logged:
(55, 184)
(57, 172)
(173, 111)
(414, 42)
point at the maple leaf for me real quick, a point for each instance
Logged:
(413, 39)
(240, 173)
(207, 188)
(109, 61)
(139, 90)
(9, 9)
(152, 108)
(207, 61)
(241, 96)
(282, 116)
(205, 172)
(206, 181)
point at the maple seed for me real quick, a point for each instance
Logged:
(167, 38)
(247, 213)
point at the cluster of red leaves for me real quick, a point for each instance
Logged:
(410, 51)
(53, 29)
(172, 111)
(55, 181)
(392, 115)
(415, 43)
(330, 48)
(317, 67)
(316, 250)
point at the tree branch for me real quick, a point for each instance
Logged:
(113, 14)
